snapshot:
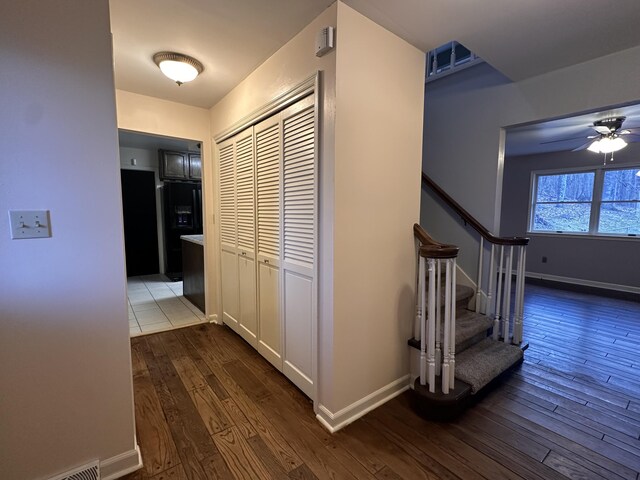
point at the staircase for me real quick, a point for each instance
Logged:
(456, 352)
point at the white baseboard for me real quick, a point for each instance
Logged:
(586, 283)
(213, 318)
(335, 421)
(120, 465)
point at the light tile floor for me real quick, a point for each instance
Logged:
(156, 304)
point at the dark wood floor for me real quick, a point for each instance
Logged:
(208, 406)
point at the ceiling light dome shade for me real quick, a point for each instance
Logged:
(607, 145)
(178, 67)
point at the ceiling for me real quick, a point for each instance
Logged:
(231, 38)
(155, 142)
(566, 133)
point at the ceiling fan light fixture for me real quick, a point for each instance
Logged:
(594, 147)
(607, 145)
(178, 67)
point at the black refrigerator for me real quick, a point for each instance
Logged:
(182, 204)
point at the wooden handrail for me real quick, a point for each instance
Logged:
(432, 249)
(466, 216)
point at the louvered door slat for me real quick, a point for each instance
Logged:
(245, 193)
(268, 198)
(227, 196)
(299, 188)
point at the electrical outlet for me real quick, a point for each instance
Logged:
(29, 224)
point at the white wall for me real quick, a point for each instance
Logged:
(569, 255)
(147, 160)
(140, 113)
(65, 366)
(379, 110)
(288, 67)
(464, 115)
(370, 183)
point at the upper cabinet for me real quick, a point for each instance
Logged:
(195, 166)
(180, 165)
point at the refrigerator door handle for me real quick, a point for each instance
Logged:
(195, 209)
(200, 214)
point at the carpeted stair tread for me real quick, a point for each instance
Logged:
(484, 361)
(468, 325)
(463, 295)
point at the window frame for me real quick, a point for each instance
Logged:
(596, 201)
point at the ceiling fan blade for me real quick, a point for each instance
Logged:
(582, 147)
(601, 129)
(562, 140)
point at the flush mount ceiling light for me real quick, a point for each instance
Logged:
(178, 67)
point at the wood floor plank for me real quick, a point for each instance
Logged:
(153, 433)
(310, 449)
(441, 461)
(215, 467)
(592, 460)
(239, 418)
(175, 473)
(390, 454)
(211, 410)
(244, 377)
(302, 473)
(569, 468)
(387, 474)
(270, 462)
(504, 454)
(238, 455)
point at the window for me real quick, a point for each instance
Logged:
(594, 202)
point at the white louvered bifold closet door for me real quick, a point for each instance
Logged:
(268, 160)
(245, 213)
(299, 245)
(229, 235)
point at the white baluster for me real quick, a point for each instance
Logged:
(419, 296)
(431, 345)
(507, 297)
(489, 308)
(516, 310)
(479, 283)
(452, 348)
(423, 323)
(518, 327)
(446, 375)
(439, 320)
(496, 321)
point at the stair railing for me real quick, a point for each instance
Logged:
(436, 359)
(505, 252)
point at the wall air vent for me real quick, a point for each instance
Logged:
(90, 471)
(449, 58)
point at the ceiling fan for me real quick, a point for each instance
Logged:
(607, 138)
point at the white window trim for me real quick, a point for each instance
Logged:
(596, 201)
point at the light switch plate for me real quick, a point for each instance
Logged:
(29, 223)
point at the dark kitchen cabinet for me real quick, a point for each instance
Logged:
(180, 165)
(195, 166)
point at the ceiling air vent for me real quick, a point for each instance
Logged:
(90, 471)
